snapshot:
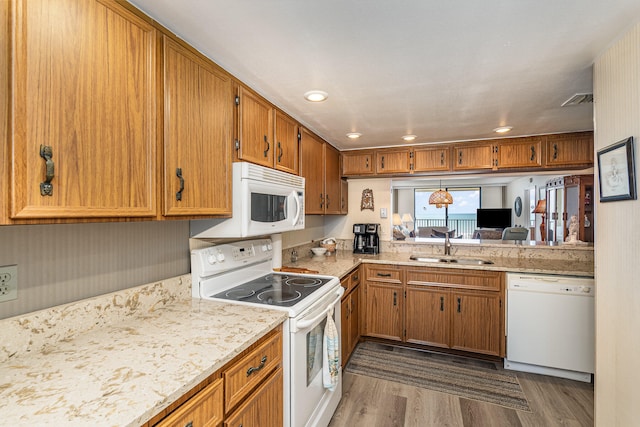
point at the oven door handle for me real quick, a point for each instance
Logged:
(303, 324)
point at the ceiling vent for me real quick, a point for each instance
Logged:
(578, 98)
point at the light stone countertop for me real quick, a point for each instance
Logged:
(124, 373)
(342, 261)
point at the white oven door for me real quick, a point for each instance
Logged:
(311, 403)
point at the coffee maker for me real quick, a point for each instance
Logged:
(366, 239)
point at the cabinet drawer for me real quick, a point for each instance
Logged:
(384, 274)
(252, 369)
(458, 278)
(345, 282)
(355, 277)
(204, 409)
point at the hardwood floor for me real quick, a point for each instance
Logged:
(370, 402)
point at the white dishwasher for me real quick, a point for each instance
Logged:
(550, 325)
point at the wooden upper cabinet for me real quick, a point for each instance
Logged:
(357, 162)
(570, 149)
(84, 111)
(431, 159)
(333, 184)
(519, 153)
(472, 156)
(393, 160)
(198, 129)
(312, 169)
(287, 137)
(255, 128)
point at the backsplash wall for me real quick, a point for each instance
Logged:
(61, 263)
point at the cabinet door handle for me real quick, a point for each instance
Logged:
(395, 298)
(459, 304)
(253, 369)
(383, 274)
(459, 157)
(555, 151)
(441, 303)
(442, 158)
(179, 192)
(328, 201)
(533, 153)
(321, 200)
(268, 146)
(366, 162)
(189, 424)
(46, 188)
(382, 163)
(281, 152)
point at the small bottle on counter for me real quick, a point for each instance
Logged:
(294, 255)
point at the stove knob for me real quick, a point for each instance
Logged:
(269, 247)
(220, 256)
(211, 259)
(264, 248)
(586, 289)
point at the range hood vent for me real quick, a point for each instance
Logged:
(578, 98)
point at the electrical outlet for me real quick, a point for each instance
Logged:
(8, 283)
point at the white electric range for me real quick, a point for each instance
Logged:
(242, 273)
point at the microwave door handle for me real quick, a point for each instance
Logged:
(303, 324)
(298, 208)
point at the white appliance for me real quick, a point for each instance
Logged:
(265, 201)
(550, 325)
(241, 273)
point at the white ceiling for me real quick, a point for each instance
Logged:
(444, 70)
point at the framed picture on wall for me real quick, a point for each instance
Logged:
(616, 171)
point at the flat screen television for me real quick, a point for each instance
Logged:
(494, 218)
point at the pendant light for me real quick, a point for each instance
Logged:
(440, 198)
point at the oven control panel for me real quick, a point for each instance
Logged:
(221, 258)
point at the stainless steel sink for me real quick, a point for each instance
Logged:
(463, 261)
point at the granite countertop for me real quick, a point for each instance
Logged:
(126, 372)
(342, 261)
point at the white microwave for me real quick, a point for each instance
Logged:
(265, 201)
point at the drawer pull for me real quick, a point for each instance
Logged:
(253, 369)
(384, 274)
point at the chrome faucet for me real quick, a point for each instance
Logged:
(447, 244)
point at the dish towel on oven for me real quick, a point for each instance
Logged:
(331, 353)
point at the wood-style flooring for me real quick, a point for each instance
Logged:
(370, 402)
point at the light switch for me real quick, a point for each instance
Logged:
(383, 212)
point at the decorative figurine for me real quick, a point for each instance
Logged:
(367, 199)
(574, 227)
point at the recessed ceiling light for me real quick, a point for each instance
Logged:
(316, 96)
(354, 135)
(409, 137)
(503, 129)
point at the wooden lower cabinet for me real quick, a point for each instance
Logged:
(263, 407)
(248, 391)
(383, 301)
(350, 318)
(384, 311)
(458, 309)
(427, 316)
(476, 323)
